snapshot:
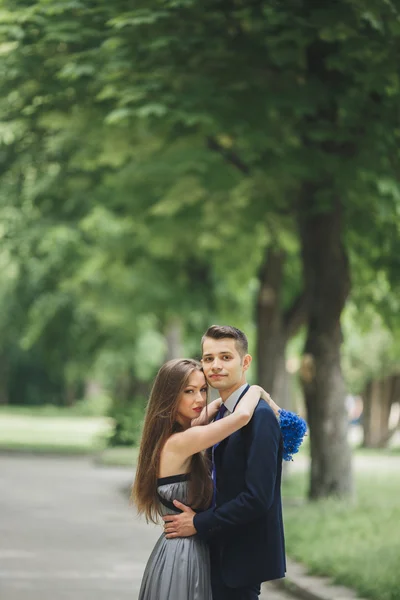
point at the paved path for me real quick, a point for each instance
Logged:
(67, 532)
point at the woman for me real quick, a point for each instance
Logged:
(172, 465)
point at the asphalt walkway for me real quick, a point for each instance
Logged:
(67, 532)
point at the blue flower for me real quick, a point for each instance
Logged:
(293, 429)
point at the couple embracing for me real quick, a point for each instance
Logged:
(212, 472)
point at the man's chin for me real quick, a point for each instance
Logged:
(219, 384)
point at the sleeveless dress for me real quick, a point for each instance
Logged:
(178, 569)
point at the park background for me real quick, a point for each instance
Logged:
(169, 165)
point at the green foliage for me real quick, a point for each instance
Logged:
(97, 405)
(371, 350)
(150, 155)
(128, 419)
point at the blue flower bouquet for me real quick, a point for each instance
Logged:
(293, 429)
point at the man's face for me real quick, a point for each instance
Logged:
(223, 366)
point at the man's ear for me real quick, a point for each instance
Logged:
(247, 361)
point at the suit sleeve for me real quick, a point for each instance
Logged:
(260, 477)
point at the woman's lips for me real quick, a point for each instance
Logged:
(198, 410)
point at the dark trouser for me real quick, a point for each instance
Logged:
(220, 591)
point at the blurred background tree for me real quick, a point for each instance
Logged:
(183, 163)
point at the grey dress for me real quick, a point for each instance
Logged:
(178, 569)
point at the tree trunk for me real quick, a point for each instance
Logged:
(378, 397)
(275, 327)
(173, 337)
(4, 374)
(70, 395)
(92, 389)
(327, 283)
(4, 400)
(271, 339)
(128, 387)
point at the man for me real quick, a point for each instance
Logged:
(244, 528)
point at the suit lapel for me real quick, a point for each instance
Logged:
(223, 442)
(241, 396)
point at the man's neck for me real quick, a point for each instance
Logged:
(226, 393)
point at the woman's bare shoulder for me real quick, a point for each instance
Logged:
(172, 444)
(171, 459)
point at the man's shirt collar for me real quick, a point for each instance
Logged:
(231, 401)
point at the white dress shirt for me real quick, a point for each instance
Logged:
(231, 401)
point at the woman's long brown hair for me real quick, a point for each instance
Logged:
(160, 423)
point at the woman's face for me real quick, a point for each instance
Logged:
(193, 398)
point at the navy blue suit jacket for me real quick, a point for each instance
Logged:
(246, 525)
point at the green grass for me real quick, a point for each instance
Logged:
(52, 432)
(45, 410)
(119, 457)
(90, 407)
(357, 544)
(50, 429)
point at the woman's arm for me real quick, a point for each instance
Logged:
(293, 427)
(208, 413)
(265, 396)
(262, 442)
(196, 439)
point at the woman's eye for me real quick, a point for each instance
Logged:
(188, 391)
(204, 389)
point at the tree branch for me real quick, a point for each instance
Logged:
(230, 156)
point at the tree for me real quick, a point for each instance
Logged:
(291, 98)
(323, 72)
(372, 368)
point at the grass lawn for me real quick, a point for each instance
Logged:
(119, 457)
(51, 431)
(357, 544)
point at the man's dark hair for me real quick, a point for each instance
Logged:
(219, 332)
